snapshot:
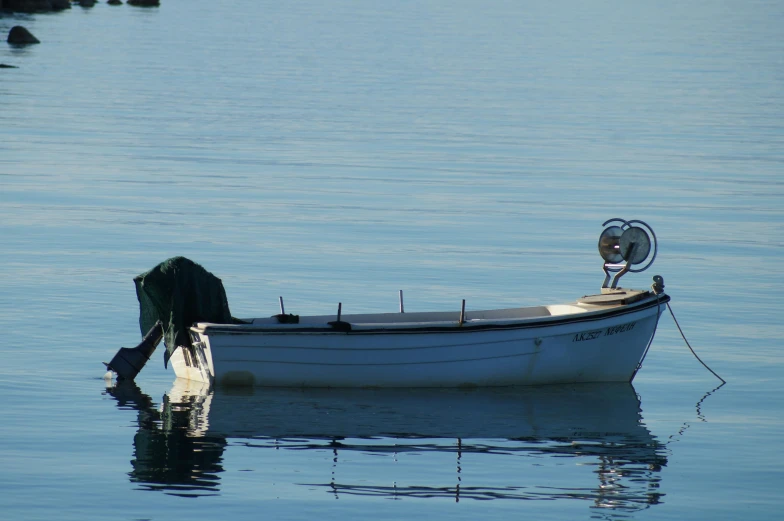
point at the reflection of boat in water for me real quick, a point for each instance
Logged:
(593, 428)
(168, 454)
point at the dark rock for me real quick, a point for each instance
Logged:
(87, 3)
(6, 66)
(114, 2)
(36, 6)
(145, 3)
(28, 6)
(20, 36)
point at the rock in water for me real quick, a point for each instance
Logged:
(35, 6)
(21, 36)
(145, 3)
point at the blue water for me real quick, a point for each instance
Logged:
(342, 152)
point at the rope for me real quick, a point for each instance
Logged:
(700, 416)
(645, 353)
(723, 381)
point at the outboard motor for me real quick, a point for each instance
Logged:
(130, 360)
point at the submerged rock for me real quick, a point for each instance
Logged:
(20, 36)
(6, 66)
(114, 2)
(87, 3)
(145, 3)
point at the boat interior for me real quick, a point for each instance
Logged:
(419, 317)
(442, 318)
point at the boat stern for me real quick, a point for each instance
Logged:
(194, 362)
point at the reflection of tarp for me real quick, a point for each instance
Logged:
(167, 456)
(179, 292)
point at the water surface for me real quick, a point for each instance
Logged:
(455, 150)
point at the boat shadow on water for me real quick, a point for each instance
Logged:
(180, 444)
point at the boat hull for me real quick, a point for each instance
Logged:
(602, 345)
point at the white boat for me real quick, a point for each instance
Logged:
(594, 338)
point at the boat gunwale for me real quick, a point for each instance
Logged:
(592, 315)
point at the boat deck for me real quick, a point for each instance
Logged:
(591, 303)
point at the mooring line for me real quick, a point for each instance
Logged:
(723, 381)
(648, 347)
(700, 416)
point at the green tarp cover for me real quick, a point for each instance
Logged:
(179, 292)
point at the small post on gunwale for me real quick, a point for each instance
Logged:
(338, 324)
(400, 293)
(282, 311)
(462, 314)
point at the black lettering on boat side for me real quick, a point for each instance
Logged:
(587, 335)
(623, 328)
